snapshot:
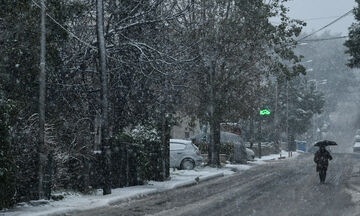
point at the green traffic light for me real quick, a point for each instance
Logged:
(265, 112)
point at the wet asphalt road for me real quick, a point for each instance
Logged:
(279, 188)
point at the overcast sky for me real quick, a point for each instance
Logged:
(326, 11)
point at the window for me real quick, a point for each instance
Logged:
(176, 146)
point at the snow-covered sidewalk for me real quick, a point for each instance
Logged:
(179, 178)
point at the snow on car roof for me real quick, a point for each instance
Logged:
(357, 137)
(180, 141)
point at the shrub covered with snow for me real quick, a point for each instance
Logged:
(142, 151)
(135, 159)
(24, 140)
(144, 134)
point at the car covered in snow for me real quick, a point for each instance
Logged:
(356, 147)
(357, 132)
(184, 154)
(250, 154)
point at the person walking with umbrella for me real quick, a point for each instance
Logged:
(322, 157)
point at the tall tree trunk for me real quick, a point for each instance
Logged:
(165, 152)
(287, 117)
(42, 94)
(106, 152)
(252, 130)
(260, 136)
(213, 149)
(215, 142)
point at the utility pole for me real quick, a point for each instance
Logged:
(252, 131)
(287, 117)
(105, 145)
(260, 136)
(42, 94)
(277, 136)
(263, 112)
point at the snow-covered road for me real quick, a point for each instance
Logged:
(288, 187)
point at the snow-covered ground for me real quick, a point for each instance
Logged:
(179, 178)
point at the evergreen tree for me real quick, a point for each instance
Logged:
(353, 43)
(237, 48)
(7, 165)
(20, 46)
(302, 101)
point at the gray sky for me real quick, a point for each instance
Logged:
(309, 9)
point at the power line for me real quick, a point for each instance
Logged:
(309, 19)
(319, 18)
(65, 29)
(331, 23)
(325, 39)
(73, 35)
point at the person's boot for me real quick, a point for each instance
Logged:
(322, 179)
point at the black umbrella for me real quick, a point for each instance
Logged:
(326, 143)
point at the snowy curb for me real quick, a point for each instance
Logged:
(194, 182)
(114, 200)
(109, 202)
(176, 186)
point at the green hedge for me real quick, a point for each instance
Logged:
(134, 160)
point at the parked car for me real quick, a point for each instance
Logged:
(356, 147)
(250, 154)
(225, 137)
(356, 138)
(357, 132)
(301, 145)
(184, 154)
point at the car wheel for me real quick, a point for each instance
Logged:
(187, 164)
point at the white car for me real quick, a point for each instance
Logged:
(357, 132)
(184, 154)
(356, 147)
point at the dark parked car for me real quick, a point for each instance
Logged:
(225, 137)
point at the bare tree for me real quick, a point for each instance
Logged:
(104, 87)
(42, 94)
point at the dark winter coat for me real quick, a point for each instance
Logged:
(322, 160)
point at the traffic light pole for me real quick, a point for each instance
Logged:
(260, 136)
